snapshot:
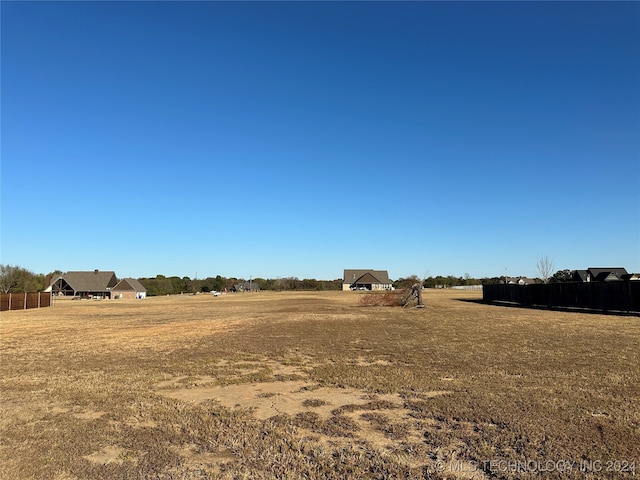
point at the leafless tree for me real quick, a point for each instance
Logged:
(545, 268)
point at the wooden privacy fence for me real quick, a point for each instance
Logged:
(598, 296)
(23, 301)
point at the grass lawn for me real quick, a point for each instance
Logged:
(315, 385)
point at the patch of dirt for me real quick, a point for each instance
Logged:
(362, 362)
(206, 461)
(136, 423)
(324, 413)
(88, 415)
(108, 454)
(206, 458)
(58, 410)
(268, 399)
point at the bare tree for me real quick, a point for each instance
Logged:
(545, 268)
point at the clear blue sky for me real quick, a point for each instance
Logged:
(299, 139)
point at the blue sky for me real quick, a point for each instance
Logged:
(259, 139)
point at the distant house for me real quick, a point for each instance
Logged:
(246, 287)
(129, 288)
(366, 280)
(84, 284)
(521, 281)
(607, 274)
(610, 274)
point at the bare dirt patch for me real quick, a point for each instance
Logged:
(108, 454)
(88, 414)
(324, 413)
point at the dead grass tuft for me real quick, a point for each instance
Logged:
(314, 402)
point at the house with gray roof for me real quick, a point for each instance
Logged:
(520, 281)
(366, 280)
(580, 276)
(129, 288)
(601, 274)
(615, 274)
(84, 284)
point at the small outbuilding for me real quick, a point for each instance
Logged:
(129, 288)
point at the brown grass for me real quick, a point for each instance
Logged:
(314, 385)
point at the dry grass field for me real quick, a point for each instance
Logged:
(314, 385)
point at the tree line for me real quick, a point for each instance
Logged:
(161, 285)
(439, 281)
(18, 279)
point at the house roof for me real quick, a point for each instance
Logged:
(129, 285)
(367, 278)
(580, 275)
(372, 276)
(95, 281)
(521, 280)
(607, 274)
